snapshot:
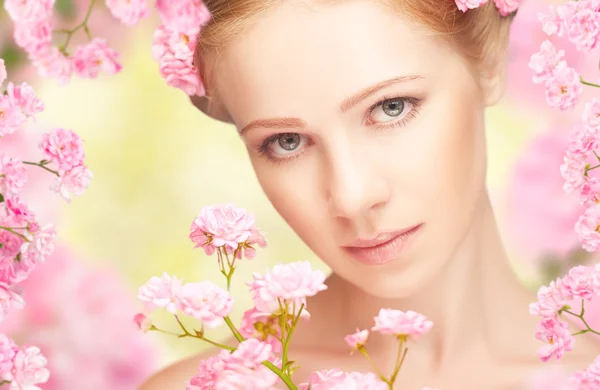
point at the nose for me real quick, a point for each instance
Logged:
(356, 184)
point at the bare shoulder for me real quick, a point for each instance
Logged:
(177, 374)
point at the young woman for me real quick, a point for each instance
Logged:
(364, 121)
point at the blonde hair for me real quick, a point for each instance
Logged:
(478, 34)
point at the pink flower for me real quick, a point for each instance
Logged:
(26, 10)
(401, 323)
(33, 35)
(182, 15)
(206, 302)
(550, 299)
(142, 322)
(537, 227)
(573, 171)
(591, 114)
(552, 23)
(92, 57)
(288, 283)
(208, 372)
(63, 147)
(174, 51)
(354, 381)
(579, 282)
(464, 5)
(588, 228)
(256, 238)
(29, 369)
(51, 63)
(42, 244)
(74, 181)
(321, 380)
(262, 326)
(556, 334)
(9, 299)
(3, 74)
(11, 116)
(545, 61)
(357, 339)
(507, 7)
(563, 88)
(8, 350)
(25, 98)
(127, 11)
(13, 175)
(162, 292)
(583, 25)
(225, 225)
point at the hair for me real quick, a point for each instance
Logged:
(479, 34)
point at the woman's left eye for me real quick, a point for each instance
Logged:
(392, 112)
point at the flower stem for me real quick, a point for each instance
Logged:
(235, 332)
(363, 351)
(83, 25)
(580, 316)
(588, 83)
(15, 233)
(43, 166)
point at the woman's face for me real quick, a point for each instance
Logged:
(359, 125)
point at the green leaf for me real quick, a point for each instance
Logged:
(1, 198)
(13, 56)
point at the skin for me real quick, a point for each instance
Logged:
(358, 172)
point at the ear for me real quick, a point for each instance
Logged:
(493, 78)
(215, 111)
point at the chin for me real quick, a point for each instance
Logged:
(386, 283)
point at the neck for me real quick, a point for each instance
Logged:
(472, 302)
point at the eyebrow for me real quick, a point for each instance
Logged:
(347, 104)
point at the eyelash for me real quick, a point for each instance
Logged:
(414, 110)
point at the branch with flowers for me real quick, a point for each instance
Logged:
(261, 356)
(565, 298)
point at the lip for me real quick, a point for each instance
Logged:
(384, 248)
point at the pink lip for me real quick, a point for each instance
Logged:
(383, 248)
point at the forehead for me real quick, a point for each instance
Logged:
(298, 54)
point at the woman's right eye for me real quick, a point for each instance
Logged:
(282, 146)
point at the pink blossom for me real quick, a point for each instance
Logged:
(3, 74)
(94, 56)
(206, 302)
(225, 225)
(591, 114)
(174, 51)
(74, 181)
(357, 339)
(550, 299)
(579, 282)
(11, 116)
(545, 61)
(208, 372)
(256, 238)
(401, 323)
(119, 357)
(563, 88)
(588, 228)
(51, 63)
(182, 15)
(552, 23)
(11, 243)
(261, 326)
(33, 35)
(537, 227)
(42, 244)
(573, 171)
(8, 350)
(507, 7)
(583, 25)
(13, 175)
(29, 369)
(63, 147)
(9, 299)
(288, 283)
(337, 380)
(465, 5)
(556, 334)
(162, 292)
(26, 10)
(25, 98)
(127, 11)
(142, 322)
